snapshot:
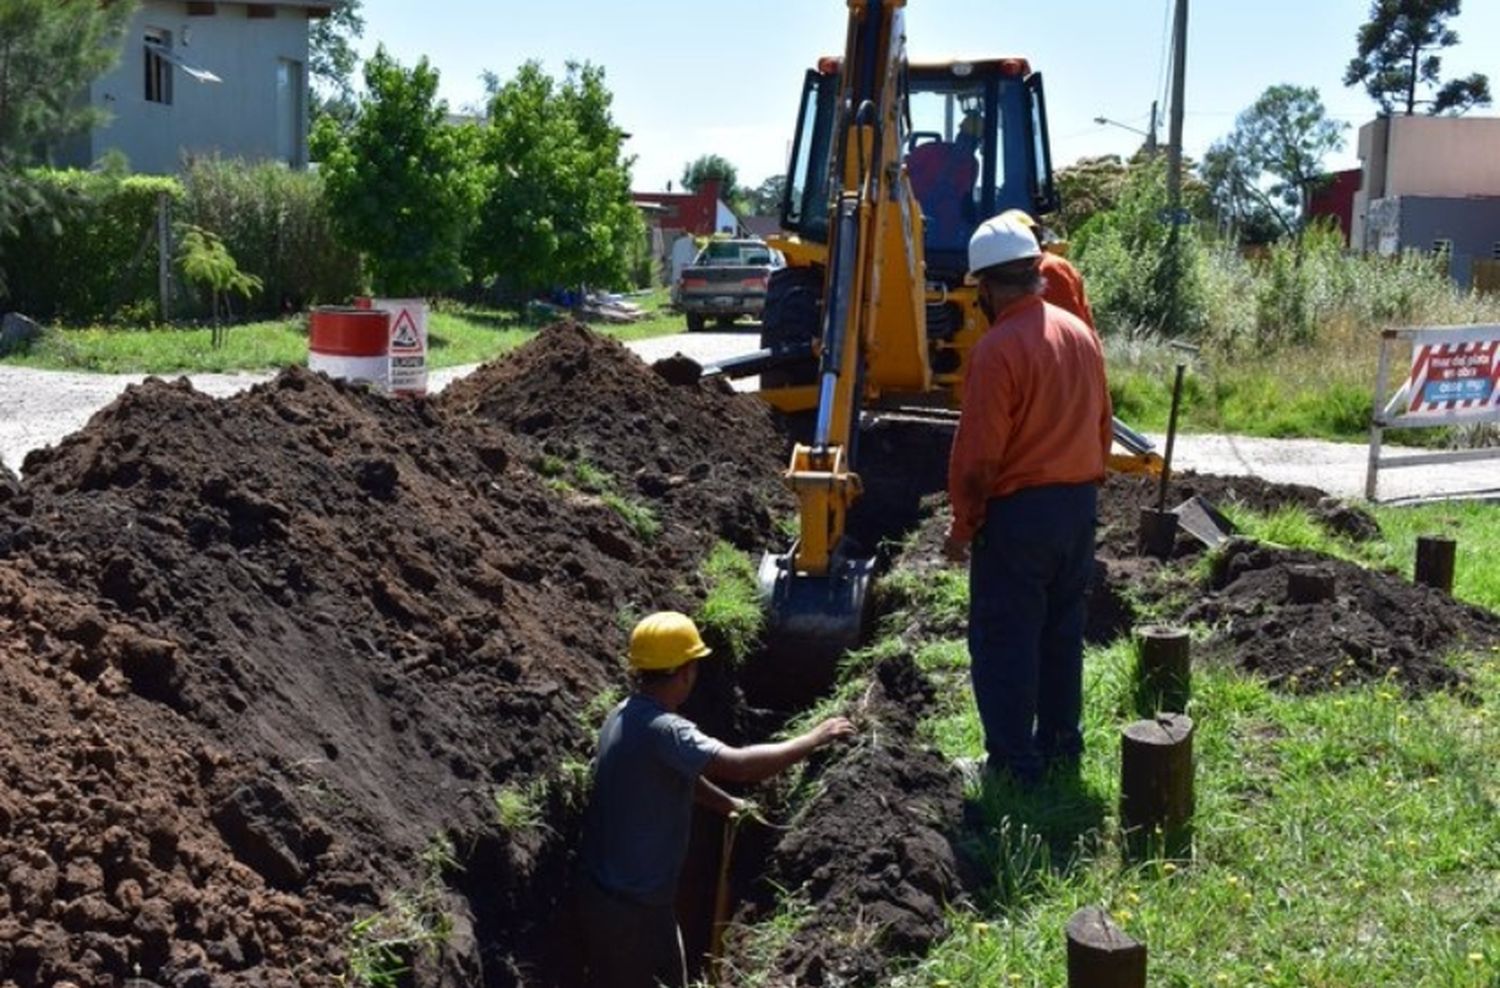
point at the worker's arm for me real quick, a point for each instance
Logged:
(714, 799)
(761, 761)
(979, 444)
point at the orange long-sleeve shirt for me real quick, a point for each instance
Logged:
(1036, 411)
(1065, 287)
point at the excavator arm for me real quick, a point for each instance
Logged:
(872, 301)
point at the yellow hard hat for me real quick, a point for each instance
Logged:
(665, 640)
(1020, 216)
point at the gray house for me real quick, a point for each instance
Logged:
(201, 78)
(1431, 184)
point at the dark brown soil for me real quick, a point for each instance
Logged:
(260, 652)
(1378, 625)
(1378, 622)
(875, 852)
(707, 458)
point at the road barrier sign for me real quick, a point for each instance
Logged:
(1454, 380)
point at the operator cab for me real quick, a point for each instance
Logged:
(974, 143)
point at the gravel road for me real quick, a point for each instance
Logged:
(37, 408)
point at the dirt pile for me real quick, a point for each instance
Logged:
(1376, 625)
(269, 649)
(875, 851)
(702, 455)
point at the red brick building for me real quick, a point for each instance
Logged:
(700, 213)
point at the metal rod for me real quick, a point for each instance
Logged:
(1166, 462)
(1382, 379)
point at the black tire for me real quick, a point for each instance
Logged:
(793, 314)
(695, 322)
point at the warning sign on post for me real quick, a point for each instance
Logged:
(408, 347)
(1454, 377)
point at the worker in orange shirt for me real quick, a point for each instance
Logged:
(1064, 284)
(1028, 456)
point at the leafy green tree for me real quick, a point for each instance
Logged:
(332, 60)
(765, 198)
(49, 51)
(557, 210)
(708, 167)
(1142, 273)
(1397, 53)
(207, 263)
(1264, 168)
(402, 184)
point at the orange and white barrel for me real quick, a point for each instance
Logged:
(350, 344)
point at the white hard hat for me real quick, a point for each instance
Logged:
(1001, 240)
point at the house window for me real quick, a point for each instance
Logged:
(289, 111)
(158, 69)
(1442, 247)
(1495, 251)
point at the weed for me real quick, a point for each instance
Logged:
(519, 807)
(731, 609)
(758, 946)
(639, 517)
(383, 945)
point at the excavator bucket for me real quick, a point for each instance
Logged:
(811, 621)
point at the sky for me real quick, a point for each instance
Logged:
(694, 77)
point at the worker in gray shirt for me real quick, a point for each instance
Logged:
(651, 767)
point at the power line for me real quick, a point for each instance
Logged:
(1162, 59)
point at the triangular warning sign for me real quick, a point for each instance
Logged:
(404, 333)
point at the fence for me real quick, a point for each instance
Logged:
(1454, 380)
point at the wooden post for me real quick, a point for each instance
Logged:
(1310, 584)
(1164, 670)
(1156, 787)
(164, 255)
(1101, 955)
(1435, 558)
(1157, 534)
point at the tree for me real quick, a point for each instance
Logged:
(1275, 153)
(765, 198)
(1391, 63)
(709, 167)
(557, 210)
(49, 52)
(401, 185)
(332, 61)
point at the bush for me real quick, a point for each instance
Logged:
(1142, 276)
(90, 253)
(275, 223)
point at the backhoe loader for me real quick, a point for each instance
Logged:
(893, 165)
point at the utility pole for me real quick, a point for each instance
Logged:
(1151, 138)
(1179, 84)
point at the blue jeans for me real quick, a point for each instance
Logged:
(1028, 580)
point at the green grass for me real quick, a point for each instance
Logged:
(1475, 524)
(1342, 839)
(383, 944)
(1321, 391)
(458, 334)
(731, 609)
(519, 807)
(572, 477)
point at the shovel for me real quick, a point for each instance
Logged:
(1204, 522)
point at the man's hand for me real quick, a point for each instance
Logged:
(955, 550)
(830, 730)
